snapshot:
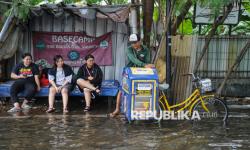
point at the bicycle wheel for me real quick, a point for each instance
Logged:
(217, 109)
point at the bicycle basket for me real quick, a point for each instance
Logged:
(206, 85)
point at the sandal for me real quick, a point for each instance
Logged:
(86, 109)
(50, 110)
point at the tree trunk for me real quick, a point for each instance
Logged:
(148, 9)
(181, 17)
(217, 22)
(233, 67)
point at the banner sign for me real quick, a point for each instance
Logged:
(73, 46)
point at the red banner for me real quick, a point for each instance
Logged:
(73, 46)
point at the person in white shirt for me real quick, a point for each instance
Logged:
(60, 77)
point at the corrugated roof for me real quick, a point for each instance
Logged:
(117, 13)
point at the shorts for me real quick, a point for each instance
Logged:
(67, 86)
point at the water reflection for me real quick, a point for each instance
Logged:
(93, 130)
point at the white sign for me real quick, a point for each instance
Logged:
(203, 15)
(142, 71)
(144, 86)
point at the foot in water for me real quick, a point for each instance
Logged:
(114, 114)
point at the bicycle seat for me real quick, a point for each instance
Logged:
(163, 86)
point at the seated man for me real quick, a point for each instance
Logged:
(26, 80)
(138, 56)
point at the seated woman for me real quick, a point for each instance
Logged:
(60, 77)
(27, 80)
(89, 79)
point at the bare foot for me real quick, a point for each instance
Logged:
(114, 114)
(65, 110)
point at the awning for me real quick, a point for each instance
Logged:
(11, 34)
(115, 13)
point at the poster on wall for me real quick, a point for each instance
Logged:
(73, 46)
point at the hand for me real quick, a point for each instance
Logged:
(59, 89)
(22, 76)
(38, 88)
(149, 66)
(90, 78)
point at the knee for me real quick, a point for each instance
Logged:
(64, 91)
(86, 90)
(78, 81)
(52, 90)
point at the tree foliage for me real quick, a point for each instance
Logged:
(21, 8)
(182, 16)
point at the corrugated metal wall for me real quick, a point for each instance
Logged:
(220, 56)
(72, 23)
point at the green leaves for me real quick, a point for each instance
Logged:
(246, 5)
(242, 28)
(21, 8)
(186, 27)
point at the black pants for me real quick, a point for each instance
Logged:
(20, 85)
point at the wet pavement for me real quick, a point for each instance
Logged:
(94, 130)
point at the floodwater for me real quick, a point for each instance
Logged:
(79, 131)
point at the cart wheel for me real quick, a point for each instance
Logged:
(125, 120)
(130, 122)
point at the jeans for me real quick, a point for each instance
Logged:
(23, 85)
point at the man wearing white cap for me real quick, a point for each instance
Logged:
(138, 56)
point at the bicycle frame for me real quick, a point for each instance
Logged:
(189, 102)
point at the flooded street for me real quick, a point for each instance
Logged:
(94, 130)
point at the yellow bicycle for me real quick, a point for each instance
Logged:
(207, 105)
